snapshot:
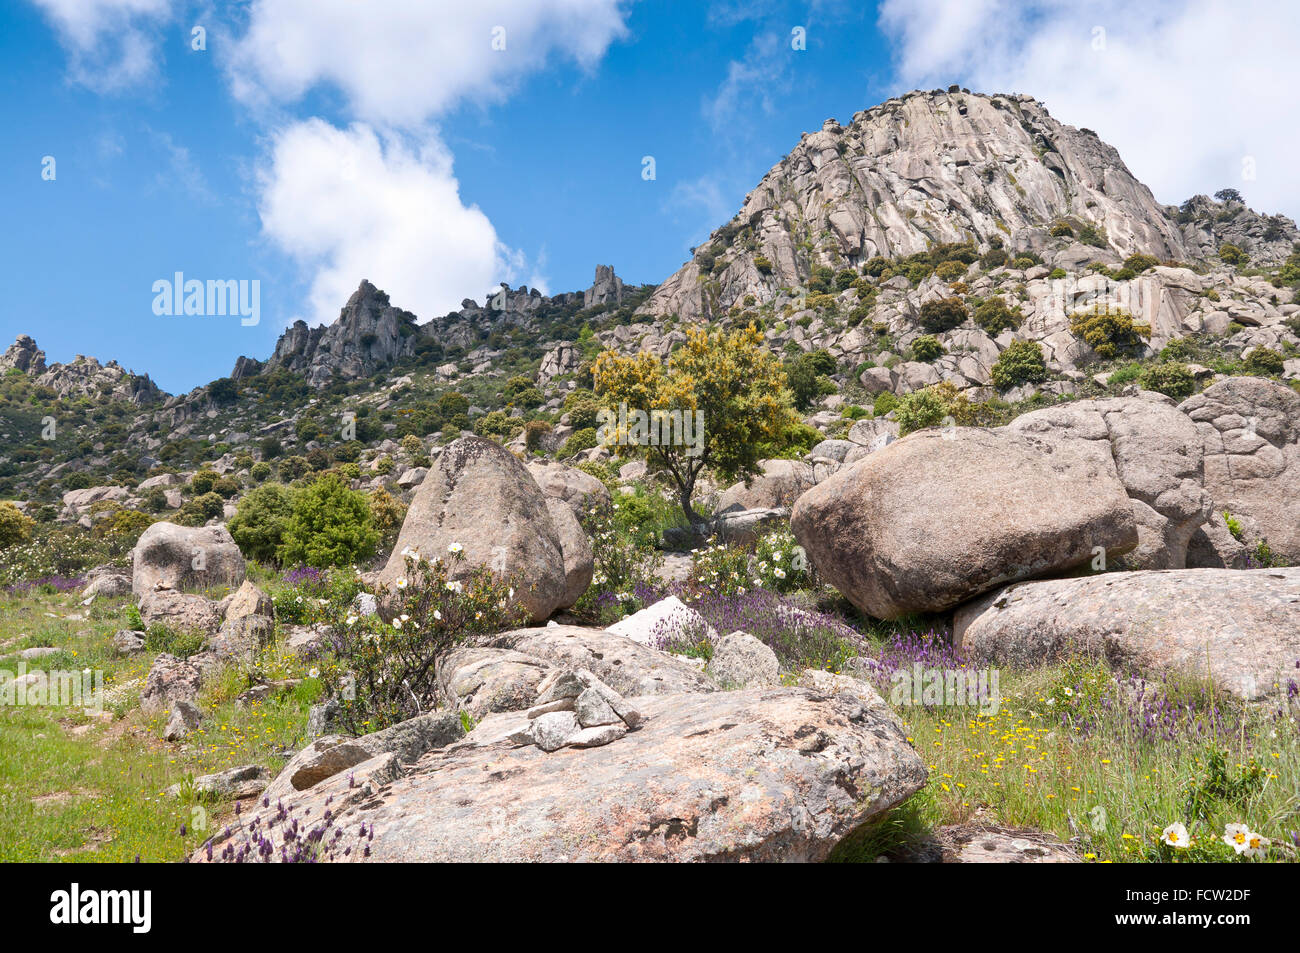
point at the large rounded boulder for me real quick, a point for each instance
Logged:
(940, 516)
(185, 557)
(481, 496)
(1156, 452)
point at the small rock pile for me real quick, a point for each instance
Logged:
(575, 709)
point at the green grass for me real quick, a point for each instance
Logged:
(1111, 791)
(75, 787)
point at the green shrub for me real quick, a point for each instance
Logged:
(993, 258)
(384, 673)
(1109, 332)
(203, 481)
(1062, 230)
(331, 525)
(387, 515)
(1021, 363)
(291, 468)
(260, 519)
(995, 316)
(534, 431)
(884, 403)
(1093, 235)
(1169, 378)
(927, 348)
(763, 264)
(200, 509)
(578, 441)
(1230, 254)
(920, 409)
(1140, 263)
(1263, 360)
(260, 471)
(583, 409)
(943, 314)
(950, 271)
(15, 526)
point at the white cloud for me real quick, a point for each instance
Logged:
(111, 44)
(399, 65)
(1188, 92)
(401, 62)
(349, 204)
(750, 84)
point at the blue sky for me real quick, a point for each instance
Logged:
(316, 142)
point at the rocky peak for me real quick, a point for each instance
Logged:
(368, 335)
(85, 376)
(918, 170)
(606, 289)
(23, 355)
(1207, 225)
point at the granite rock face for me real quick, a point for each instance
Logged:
(756, 775)
(916, 170)
(1239, 628)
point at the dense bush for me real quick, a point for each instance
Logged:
(1140, 263)
(943, 314)
(950, 271)
(920, 409)
(1109, 332)
(387, 515)
(583, 409)
(203, 481)
(995, 316)
(1169, 378)
(927, 348)
(578, 441)
(534, 431)
(260, 519)
(807, 377)
(331, 525)
(1230, 254)
(1263, 360)
(1021, 363)
(15, 527)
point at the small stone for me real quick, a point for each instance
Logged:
(598, 735)
(552, 731)
(185, 717)
(593, 710)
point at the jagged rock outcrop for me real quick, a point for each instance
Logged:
(370, 334)
(1207, 225)
(23, 355)
(83, 376)
(606, 289)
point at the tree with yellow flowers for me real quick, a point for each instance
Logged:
(721, 403)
